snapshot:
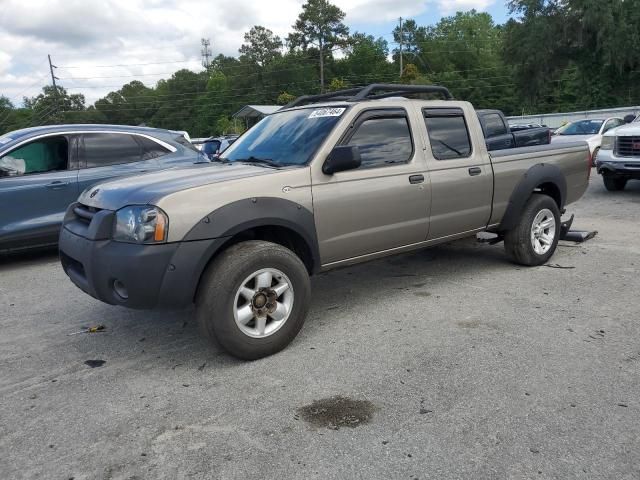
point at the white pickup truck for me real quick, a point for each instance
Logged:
(618, 160)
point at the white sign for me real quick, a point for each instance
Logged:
(327, 112)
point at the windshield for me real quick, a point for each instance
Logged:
(286, 138)
(582, 127)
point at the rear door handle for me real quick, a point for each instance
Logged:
(414, 179)
(473, 171)
(57, 185)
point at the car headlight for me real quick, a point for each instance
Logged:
(607, 143)
(141, 224)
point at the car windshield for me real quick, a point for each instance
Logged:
(287, 138)
(582, 127)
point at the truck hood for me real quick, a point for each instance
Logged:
(628, 130)
(150, 187)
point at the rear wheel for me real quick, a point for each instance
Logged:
(253, 299)
(535, 238)
(613, 183)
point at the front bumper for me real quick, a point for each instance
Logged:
(607, 163)
(163, 275)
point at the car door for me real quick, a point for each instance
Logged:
(105, 155)
(382, 205)
(461, 174)
(38, 180)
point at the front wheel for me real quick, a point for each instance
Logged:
(253, 299)
(534, 239)
(613, 183)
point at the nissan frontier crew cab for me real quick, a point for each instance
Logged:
(365, 174)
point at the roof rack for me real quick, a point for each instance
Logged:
(367, 93)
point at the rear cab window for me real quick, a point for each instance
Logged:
(448, 133)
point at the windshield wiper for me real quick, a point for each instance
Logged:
(219, 160)
(261, 161)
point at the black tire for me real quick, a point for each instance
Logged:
(518, 242)
(220, 283)
(594, 157)
(613, 183)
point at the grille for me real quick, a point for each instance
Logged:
(628, 146)
(85, 214)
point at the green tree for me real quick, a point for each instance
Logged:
(50, 106)
(261, 45)
(319, 25)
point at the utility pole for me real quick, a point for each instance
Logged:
(53, 80)
(401, 42)
(205, 52)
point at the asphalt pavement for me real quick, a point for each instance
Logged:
(449, 363)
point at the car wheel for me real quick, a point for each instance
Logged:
(535, 238)
(613, 183)
(253, 299)
(595, 156)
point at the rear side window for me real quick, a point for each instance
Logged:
(383, 141)
(493, 125)
(49, 154)
(151, 149)
(448, 133)
(102, 149)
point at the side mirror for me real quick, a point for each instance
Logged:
(342, 158)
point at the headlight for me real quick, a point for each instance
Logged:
(607, 143)
(141, 224)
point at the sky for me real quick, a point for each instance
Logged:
(99, 45)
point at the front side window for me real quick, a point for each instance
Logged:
(448, 133)
(49, 154)
(103, 149)
(383, 141)
(212, 147)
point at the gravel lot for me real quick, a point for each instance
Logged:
(461, 365)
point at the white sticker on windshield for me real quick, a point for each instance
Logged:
(327, 112)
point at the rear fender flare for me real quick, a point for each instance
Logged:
(537, 175)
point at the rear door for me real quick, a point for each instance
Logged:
(461, 174)
(38, 180)
(382, 205)
(105, 155)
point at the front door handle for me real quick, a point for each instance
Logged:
(57, 185)
(473, 171)
(414, 179)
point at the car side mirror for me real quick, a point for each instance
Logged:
(342, 158)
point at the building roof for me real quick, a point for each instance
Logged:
(256, 111)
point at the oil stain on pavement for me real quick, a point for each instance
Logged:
(336, 412)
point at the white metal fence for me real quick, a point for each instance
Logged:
(556, 120)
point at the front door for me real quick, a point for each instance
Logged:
(382, 205)
(461, 175)
(38, 181)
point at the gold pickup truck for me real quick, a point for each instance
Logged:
(327, 181)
